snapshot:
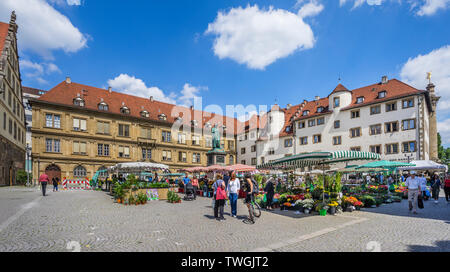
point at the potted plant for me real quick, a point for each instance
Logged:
(358, 204)
(307, 204)
(333, 205)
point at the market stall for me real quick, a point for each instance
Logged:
(425, 165)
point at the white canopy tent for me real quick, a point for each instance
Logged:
(425, 165)
(135, 167)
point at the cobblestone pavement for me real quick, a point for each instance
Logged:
(30, 222)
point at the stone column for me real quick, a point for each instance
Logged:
(433, 123)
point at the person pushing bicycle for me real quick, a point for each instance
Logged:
(249, 198)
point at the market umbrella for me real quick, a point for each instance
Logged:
(241, 168)
(425, 165)
(138, 167)
(384, 164)
(215, 167)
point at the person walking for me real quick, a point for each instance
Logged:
(234, 185)
(270, 192)
(55, 181)
(436, 188)
(44, 179)
(447, 189)
(414, 191)
(226, 179)
(423, 186)
(195, 184)
(216, 185)
(221, 196)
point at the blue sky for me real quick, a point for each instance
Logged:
(164, 48)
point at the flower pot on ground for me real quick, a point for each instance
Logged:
(306, 211)
(323, 212)
(332, 210)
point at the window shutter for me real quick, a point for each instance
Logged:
(99, 127)
(83, 148)
(106, 128)
(76, 147)
(126, 151)
(83, 124)
(76, 123)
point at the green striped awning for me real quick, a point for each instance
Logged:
(343, 156)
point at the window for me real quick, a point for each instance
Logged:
(336, 102)
(146, 133)
(166, 155)
(145, 114)
(124, 110)
(391, 148)
(375, 129)
(320, 109)
(409, 147)
(360, 100)
(355, 114)
(355, 132)
(375, 149)
(287, 142)
(182, 157)
(303, 140)
(263, 160)
(162, 117)
(196, 140)
(301, 125)
(10, 126)
(231, 145)
(391, 127)
(196, 158)
(253, 148)
(382, 94)
(78, 102)
(52, 120)
(409, 124)
(253, 161)
(79, 172)
(15, 130)
(102, 127)
(321, 121)
(103, 106)
(124, 151)
(52, 145)
(317, 138)
(181, 138)
(208, 142)
(408, 103)
(79, 147)
(79, 124)
(271, 151)
(4, 121)
(337, 140)
(146, 153)
(124, 130)
(243, 150)
(311, 123)
(337, 124)
(231, 161)
(103, 150)
(243, 162)
(166, 136)
(355, 148)
(375, 110)
(391, 106)
(305, 113)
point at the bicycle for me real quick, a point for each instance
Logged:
(254, 210)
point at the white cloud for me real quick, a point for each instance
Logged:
(37, 71)
(135, 86)
(437, 62)
(189, 93)
(444, 130)
(420, 7)
(42, 28)
(257, 37)
(245, 117)
(312, 8)
(430, 7)
(73, 2)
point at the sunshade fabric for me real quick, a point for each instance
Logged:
(384, 164)
(424, 165)
(138, 167)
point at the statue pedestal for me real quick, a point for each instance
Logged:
(216, 157)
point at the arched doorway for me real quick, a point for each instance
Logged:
(53, 171)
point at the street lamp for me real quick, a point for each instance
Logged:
(409, 156)
(28, 155)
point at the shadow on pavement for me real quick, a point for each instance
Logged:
(441, 246)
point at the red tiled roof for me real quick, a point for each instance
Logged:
(394, 89)
(3, 34)
(339, 88)
(312, 107)
(64, 93)
(30, 90)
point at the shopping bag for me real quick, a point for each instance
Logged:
(420, 202)
(265, 198)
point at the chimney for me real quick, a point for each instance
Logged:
(384, 80)
(288, 106)
(317, 97)
(109, 89)
(151, 98)
(68, 80)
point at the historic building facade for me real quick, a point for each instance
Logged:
(391, 118)
(12, 120)
(79, 129)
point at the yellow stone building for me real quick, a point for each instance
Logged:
(79, 129)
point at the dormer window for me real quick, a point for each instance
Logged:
(78, 102)
(305, 113)
(162, 117)
(320, 109)
(288, 129)
(124, 110)
(145, 114)
(382, 94)
(103, 106)
(360, 100)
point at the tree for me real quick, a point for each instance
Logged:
(443, 153)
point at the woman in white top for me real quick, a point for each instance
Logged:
(233, 189)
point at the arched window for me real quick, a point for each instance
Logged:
(103, 106)
(78, 101)
(104, 173)
(79, 172)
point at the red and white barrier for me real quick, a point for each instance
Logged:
(70, 184)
